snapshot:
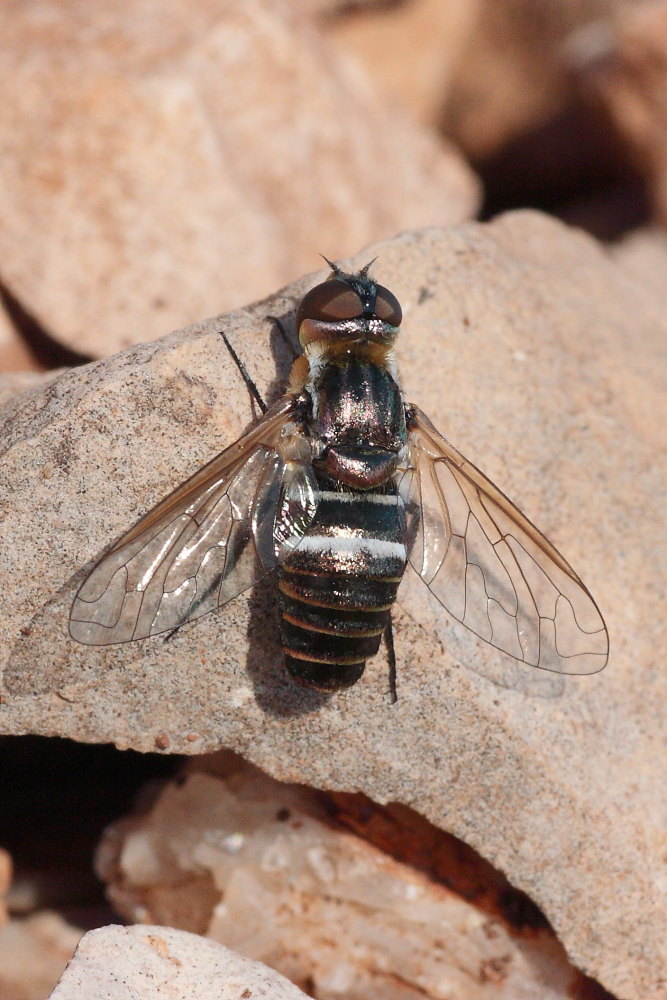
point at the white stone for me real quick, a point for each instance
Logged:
(154, 963)
(323, 906)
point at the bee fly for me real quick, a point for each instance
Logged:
(337, 487)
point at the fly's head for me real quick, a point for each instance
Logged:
(348, 307)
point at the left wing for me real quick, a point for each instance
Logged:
(231, 523)
(489, 566)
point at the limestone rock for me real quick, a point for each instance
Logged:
(543, 361)
(272, 871)
(156, 962)
(163, 164)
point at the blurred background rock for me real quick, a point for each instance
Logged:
(163, 162)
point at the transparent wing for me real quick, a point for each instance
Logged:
(212, 538)
(490, 567)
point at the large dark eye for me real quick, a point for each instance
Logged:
(387, 307)
(332, 300)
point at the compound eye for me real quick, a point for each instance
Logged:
(331, 301)
(387, 307)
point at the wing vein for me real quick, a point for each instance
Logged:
(503, 579)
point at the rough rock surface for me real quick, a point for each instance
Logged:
(272, 871)
(158, 962)
(544, 362)
(187, 160)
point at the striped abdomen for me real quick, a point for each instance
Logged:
(337, 587)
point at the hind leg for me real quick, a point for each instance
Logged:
(391, 656)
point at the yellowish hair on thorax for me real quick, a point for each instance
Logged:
(366, 350)
(298, 375)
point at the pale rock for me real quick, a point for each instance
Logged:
(268, 870)
(33, 955)
(630, 77)
(411, 51)
(155, 963)
(164, 162)
(544, 362)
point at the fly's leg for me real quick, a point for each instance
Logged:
(286, 338)
(391, 656)
(250, 385)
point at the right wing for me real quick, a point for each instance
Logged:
(212, 538)
(489, 566)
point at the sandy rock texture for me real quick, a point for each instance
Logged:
(186, 160)
(273, 871)
(156, 962)
(543, 361)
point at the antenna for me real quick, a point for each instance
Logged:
(334, 267)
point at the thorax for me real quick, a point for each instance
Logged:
(356, 397)
(357, 413)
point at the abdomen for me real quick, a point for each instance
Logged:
(337, 588)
